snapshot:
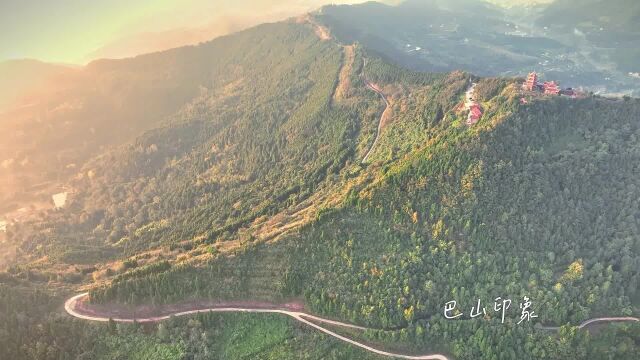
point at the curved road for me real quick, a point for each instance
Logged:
(70, 307)
(386, 109)
(607, 319)
(593, 321)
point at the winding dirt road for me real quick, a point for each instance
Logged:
(378, 91)
(607, 319)
(71, 308)
(594, 321)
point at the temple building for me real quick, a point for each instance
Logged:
(551, 88)
(532, 82)
(475, 113)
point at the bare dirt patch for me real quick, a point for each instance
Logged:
(321, 31)
(344, 83)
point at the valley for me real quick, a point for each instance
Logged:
(490, 41)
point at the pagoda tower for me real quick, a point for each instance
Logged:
(532, 82)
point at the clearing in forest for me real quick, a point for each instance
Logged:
(344, 83)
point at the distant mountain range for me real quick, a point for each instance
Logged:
(612, 26)
(516, 3)
(619, 15)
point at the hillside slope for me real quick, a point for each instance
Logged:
(267, 136)
(111, 102)
(533, 201)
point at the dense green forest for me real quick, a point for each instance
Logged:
(535, 200)
(526, 204)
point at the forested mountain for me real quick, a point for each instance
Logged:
(266, 136)
(534, 202)
(254, 189)
(86, 111)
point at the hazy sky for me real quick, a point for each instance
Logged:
(519, 2)
(76, 31)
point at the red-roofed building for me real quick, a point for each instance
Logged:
(551, 88)
(532, 82)
(475, 113)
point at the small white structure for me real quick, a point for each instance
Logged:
(3, 226)
(59, 200)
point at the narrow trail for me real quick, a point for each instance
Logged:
(374, 88)
(71, 308)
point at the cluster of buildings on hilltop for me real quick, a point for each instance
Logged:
(531, 86)
(547, 87)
